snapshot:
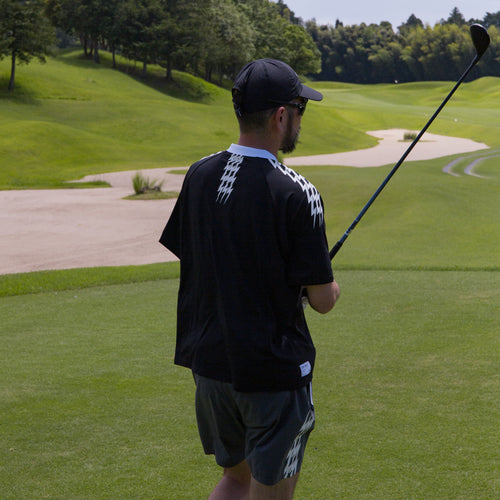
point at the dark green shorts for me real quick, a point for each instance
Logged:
(268, 429)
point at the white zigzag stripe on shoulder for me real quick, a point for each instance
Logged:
(313, 197)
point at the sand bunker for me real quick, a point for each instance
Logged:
(68, 228)
(390, 149)
(62, 229)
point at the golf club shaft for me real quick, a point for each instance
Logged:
(339, 243)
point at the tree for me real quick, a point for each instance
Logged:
(93, 21)
(323, 37)
(288, 14)
(25, 33)
(5, 35)
(489, 65)
(411, 23)
(170, 32)
(280, 35)
(438, 53)
(180, 20)
(68, 16)
(492, 19)
(303, 54)
(228, 39)
(138, 28)
(456, 17)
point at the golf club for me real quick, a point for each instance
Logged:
(481, 41)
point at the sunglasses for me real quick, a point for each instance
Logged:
(301, 106)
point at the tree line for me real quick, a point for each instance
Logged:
(214, 38)
(414, 52)
(211, 38)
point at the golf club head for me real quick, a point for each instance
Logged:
(480, 38)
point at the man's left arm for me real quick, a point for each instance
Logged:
(323, 297)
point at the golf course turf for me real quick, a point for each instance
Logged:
(406, 385)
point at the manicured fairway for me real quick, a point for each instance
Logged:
(406, 380)
(406, 392)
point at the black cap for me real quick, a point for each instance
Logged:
(266, 83)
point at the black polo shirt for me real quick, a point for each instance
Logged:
(249, 233)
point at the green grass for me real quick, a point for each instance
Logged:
(406, 381)
(70, 117)
(407, 386)
(472, 113)
(406, 392)
(75, 279)
(424, 219)
(153, 195)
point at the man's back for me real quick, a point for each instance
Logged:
(250, 235)
(250, 230)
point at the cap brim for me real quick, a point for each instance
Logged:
(309, 93)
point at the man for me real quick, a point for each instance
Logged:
(250, 236)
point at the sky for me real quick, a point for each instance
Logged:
(395, 11)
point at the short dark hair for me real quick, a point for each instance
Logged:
(253, 122)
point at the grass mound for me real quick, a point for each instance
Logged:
(70, 117)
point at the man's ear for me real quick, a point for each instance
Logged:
(280, 116)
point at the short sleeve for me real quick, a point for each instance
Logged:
(309, 262)
(171, 235)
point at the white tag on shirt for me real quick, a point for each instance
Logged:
(305, 368)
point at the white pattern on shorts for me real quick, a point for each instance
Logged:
(293, 454)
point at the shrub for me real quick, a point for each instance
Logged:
(144, 185)
(410, 136)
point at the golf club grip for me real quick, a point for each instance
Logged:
(339, 243)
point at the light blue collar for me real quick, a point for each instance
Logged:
(247, 151)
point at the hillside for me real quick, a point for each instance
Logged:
(69, 118)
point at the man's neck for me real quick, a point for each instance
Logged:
(259, 142)
(250, 151)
